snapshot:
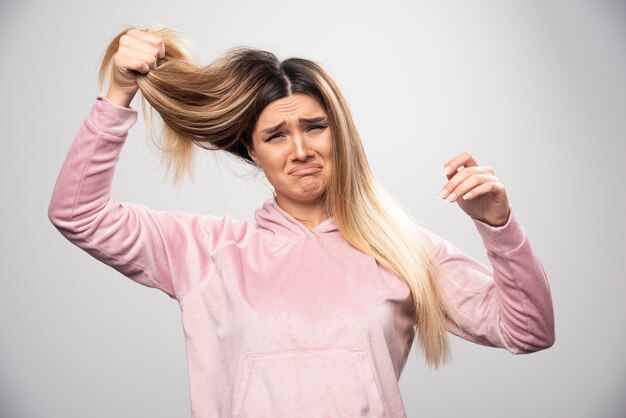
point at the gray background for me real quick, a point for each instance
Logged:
(534, 89)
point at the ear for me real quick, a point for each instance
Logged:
(252, 154)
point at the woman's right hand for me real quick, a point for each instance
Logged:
(138, 52)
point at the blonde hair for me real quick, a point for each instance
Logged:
(216, 107)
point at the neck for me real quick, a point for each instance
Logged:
(310, 214)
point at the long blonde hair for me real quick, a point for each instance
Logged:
(216, 107)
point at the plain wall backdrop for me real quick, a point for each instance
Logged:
(535, 89)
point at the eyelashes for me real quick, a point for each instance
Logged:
(312, 127)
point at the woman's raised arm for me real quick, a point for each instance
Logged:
(168, 250)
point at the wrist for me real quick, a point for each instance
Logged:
(496, 222)
(120, 98)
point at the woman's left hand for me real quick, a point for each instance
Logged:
(485, 197)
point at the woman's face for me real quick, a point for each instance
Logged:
(292, 142)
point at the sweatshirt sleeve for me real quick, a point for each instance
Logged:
(507, 306)
(168, 250)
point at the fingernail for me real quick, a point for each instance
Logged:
(451, 197)
(443, 193)
(467, 195)
(447, 170)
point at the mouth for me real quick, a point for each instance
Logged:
(305, 169)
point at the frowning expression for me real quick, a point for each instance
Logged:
(292, 142)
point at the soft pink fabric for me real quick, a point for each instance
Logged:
(279, 320)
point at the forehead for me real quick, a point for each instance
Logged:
(289, 109)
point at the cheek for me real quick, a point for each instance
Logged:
(272, 163)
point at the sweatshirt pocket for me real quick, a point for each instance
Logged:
(335, 382)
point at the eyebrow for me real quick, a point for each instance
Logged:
(302, 120)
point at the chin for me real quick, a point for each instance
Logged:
(308, 193)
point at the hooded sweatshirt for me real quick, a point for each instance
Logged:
(281, 320)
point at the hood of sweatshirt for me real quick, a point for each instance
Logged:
(273, 218)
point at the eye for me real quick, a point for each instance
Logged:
(273, 136)
(319, 127)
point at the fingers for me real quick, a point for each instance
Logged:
(156, 43)
(464, 159)
(465, 181)
(140, 61)
(137, 53)
(488, 186)
(137, 45)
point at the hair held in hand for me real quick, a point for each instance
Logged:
(216, 106)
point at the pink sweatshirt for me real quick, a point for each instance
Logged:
(280, 320)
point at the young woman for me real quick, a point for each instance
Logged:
(311, 309)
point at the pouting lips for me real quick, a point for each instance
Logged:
(306, 169)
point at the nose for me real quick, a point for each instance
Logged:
(301, 149)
